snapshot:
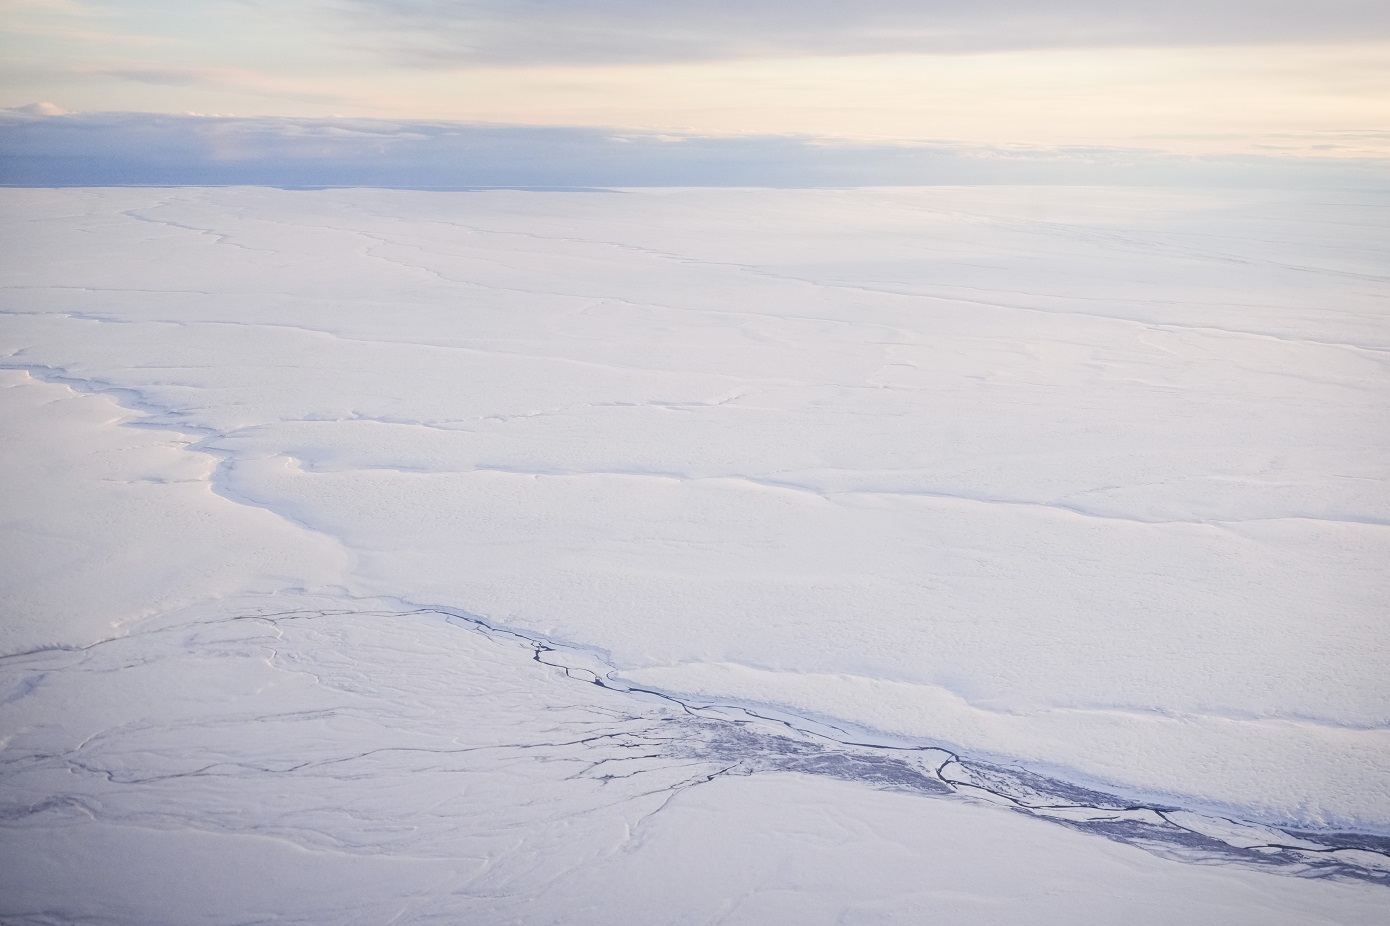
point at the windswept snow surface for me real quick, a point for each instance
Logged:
(1002, 482)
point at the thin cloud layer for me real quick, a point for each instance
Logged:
(38, 148)
(1224, 75)
(537, 32)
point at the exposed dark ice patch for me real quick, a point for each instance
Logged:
(751, 746)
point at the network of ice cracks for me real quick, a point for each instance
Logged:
(1066, 503)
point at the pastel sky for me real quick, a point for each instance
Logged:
(1274, 76)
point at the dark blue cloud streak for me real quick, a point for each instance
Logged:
(127, 149)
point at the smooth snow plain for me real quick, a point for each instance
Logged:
(865, 509)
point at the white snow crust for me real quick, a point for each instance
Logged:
(1090, 481)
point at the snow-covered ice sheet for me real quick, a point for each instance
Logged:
(1087, 482)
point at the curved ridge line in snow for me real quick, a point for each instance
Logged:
(825, 494)
(1298, 720)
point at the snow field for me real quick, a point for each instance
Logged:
(1088, 479)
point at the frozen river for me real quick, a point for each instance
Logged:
(874, 514)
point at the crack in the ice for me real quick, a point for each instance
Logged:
(934, 769)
